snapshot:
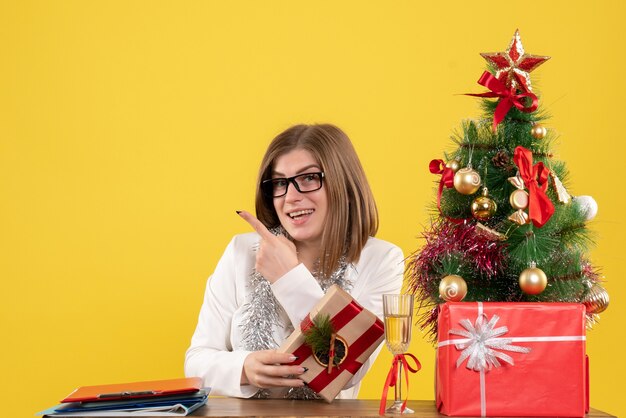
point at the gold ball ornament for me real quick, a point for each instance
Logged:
(484, 207)
(466, 181)
(452, 288)
(453, 165)
(596, 300)
(538, 131)
(533, 280)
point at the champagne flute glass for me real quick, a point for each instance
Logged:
(398, 311)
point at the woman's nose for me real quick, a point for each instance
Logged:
(292, 193)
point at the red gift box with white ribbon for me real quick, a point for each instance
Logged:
(511, 359)
(357, 328)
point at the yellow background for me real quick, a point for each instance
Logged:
(131, 131)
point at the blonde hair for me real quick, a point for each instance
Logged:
(352, 215)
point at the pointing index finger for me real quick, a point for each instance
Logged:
(255, 224)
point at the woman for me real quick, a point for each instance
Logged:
(315, 228)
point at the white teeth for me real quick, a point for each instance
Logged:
(300, 213)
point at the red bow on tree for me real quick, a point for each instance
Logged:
(540, 207)
(447, 177)
(508, 97)
(447, 180)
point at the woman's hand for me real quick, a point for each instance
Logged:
(276, 254)
(266, 369)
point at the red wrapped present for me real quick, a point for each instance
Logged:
(511, 359)
(358, 333)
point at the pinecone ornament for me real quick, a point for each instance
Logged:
(501, 159)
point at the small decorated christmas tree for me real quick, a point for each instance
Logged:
(506, 228)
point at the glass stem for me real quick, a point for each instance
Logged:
(398, 387)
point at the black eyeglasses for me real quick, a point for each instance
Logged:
(304, 183)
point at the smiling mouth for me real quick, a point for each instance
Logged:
(300, 214)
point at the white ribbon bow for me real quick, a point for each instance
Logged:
(482, 343)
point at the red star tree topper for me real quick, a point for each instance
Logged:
(514, 64)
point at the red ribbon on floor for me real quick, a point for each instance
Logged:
(447, 180)
(540, 207)
(508, 97)
(392, 378)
